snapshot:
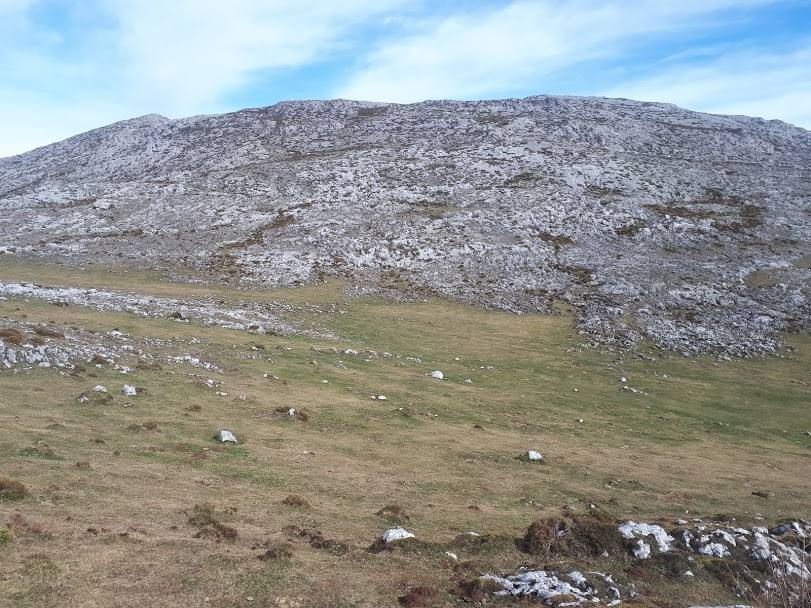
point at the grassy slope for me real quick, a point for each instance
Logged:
(701, 440)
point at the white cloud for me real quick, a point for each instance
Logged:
(176, 57)
(28, 121)
(185, 53)
(484, 53)
(755, 83)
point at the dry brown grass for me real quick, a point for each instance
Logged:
(354, 455)
(12, 335)
(589, 534)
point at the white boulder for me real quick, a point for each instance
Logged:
(225, 436)
(396, 534)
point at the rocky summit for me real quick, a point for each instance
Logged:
(687, 230)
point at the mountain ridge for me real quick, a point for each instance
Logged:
(654, 222)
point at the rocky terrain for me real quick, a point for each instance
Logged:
(688, 230)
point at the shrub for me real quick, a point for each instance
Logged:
(588, 534)
(295, 500)
(11, 489)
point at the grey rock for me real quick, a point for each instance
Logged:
(686, 229)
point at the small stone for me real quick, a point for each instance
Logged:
(534, 456)
(129, 391)
(468, 381)
(623, 379)
(437, 374)
(100, 389)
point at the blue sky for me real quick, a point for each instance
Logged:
(67, 66)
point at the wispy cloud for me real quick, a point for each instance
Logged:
(498, 49)
(187, 52)
(755, 82)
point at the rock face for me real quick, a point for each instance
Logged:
(686, 229)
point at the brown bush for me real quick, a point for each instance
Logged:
(588, 534)
(11, 335)
(547, 536)
(11, 489)
(597, 532)
(42, 330)
(296, 500)
(476, 590)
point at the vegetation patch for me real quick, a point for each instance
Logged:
(11, 489)
(297, 501)
(394, 514)
(575, 536)
(39, 451)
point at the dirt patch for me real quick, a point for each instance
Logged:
(419, 597)
(277, 551)
(317, 541)
(207, 521)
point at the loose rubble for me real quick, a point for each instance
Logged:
(248, 316)
(772, 547)
(555, 589)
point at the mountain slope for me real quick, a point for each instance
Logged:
(687, 229)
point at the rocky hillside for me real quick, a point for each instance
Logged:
(689, 230)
